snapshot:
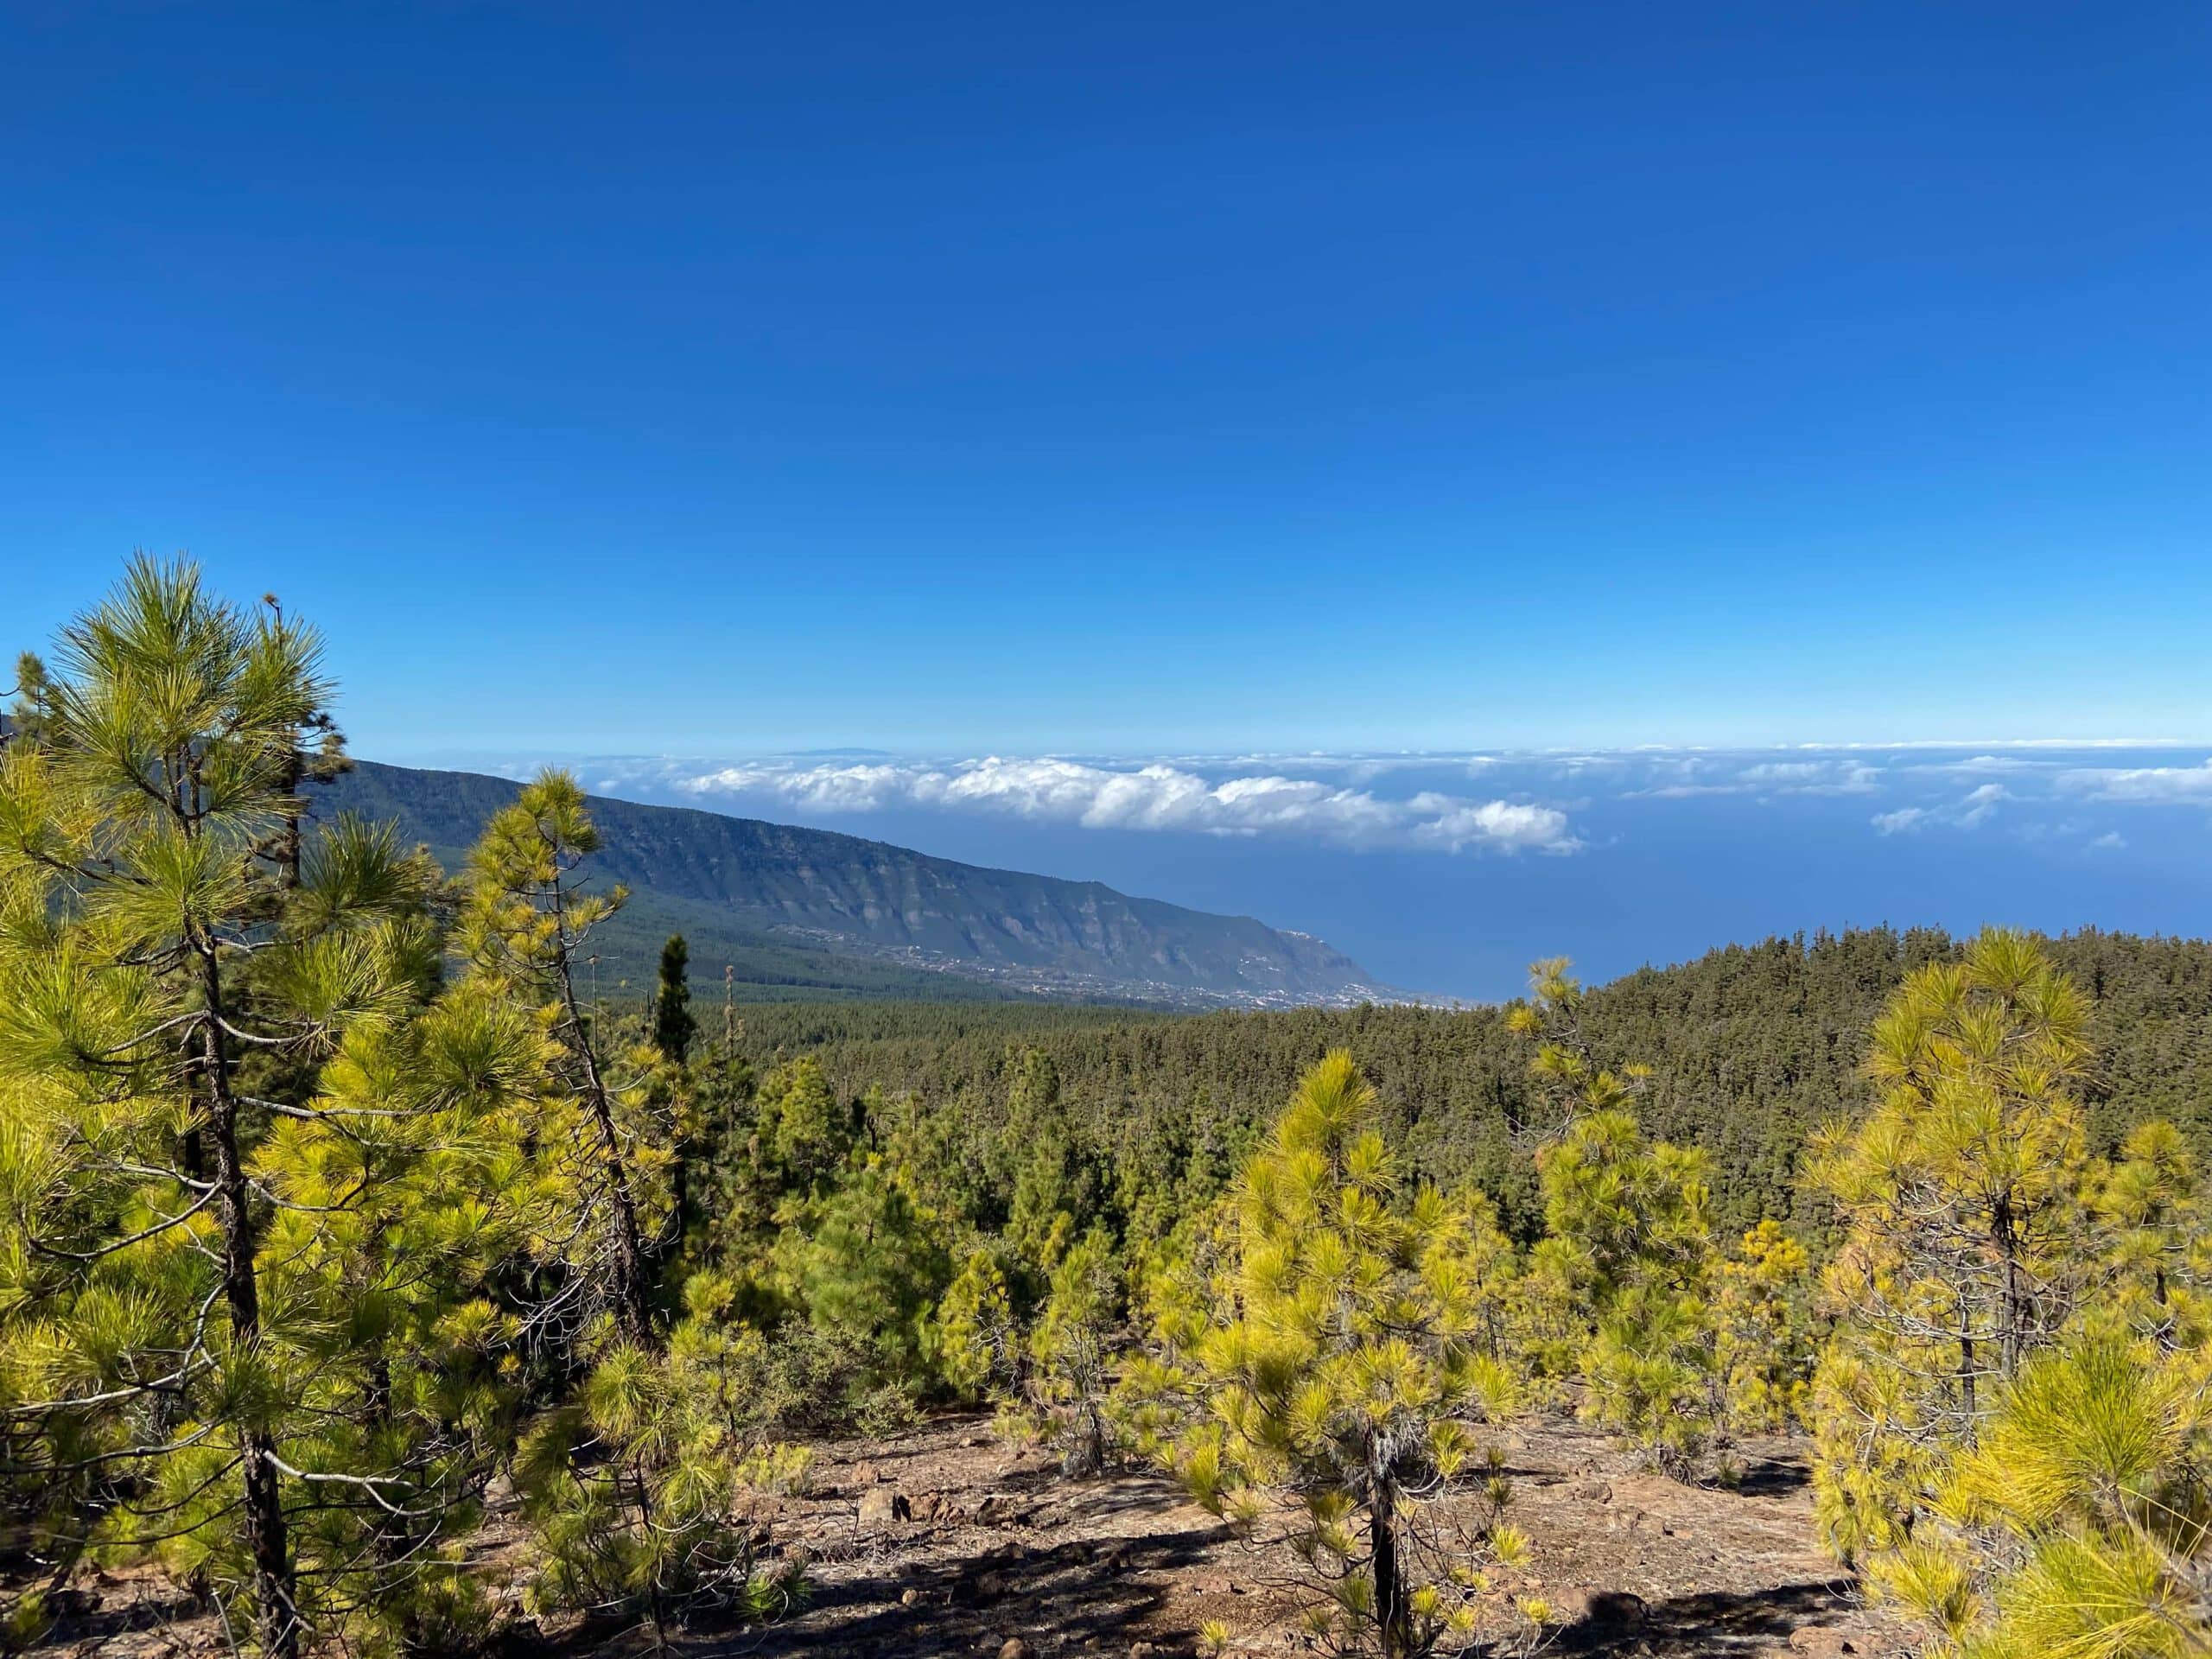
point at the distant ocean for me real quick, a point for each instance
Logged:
(1653, 855)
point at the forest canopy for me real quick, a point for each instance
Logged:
(1752, 1047)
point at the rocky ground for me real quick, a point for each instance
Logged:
(945, 1540)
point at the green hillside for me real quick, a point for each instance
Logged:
(808, 912)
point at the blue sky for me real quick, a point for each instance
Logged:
(1135, 379)
(1140, 424)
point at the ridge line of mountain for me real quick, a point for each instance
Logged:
(750, 883)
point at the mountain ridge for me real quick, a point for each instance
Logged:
(843, 896)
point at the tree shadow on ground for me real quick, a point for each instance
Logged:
(1089, 1592)
(142, 1614)
(1711, 1623)
(1773, 1478)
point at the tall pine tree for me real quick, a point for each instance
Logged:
(173, 976)
(673, 1024)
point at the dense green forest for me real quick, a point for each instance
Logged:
(341, 1207)
(1752, 1047)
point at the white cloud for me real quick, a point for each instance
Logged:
(1773, 778)
(2111, 841)
(1983, 764)
(2142, 785)
(1984, 743)
(1560, 801)
(819, 789)
(1509, 824)
(1970, 812)
(1855, 780)
(1978, 805)
(1157, 797)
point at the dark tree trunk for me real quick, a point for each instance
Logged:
(2012, 1338)
(275, 1587)
(1391, 1622)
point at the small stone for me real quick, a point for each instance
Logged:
(882, 1505)
(910, 1599)
(1819, 1643)
(1015, 1648)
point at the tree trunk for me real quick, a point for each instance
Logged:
(1390, 1620)
(1967, 1384)
(2012, 1338)
(633, 1310)
(275, 1604)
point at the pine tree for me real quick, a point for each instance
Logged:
(32, 692)
(1332, 1384)
(1964, 1195)
(1627, 1220)
(866, 1262)
(1763, 1307)
(673, 1025)
(805, 1136)
(1071, 1354)
(976, 1341)
(2080, 1520)
(399, 1208)
(173, 976)
(527, 914)
(2154, 1256)
(1617, 1290)
(634, 1487)
(2010, 1423)
(634, 1479)
(683, 1096)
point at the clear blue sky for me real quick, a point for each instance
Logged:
(1133, 378)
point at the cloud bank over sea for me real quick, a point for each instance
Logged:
(1447, 873)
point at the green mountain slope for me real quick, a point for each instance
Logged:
(808, 911)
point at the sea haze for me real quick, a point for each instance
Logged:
(1448, 873)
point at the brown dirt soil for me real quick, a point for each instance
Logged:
(971, 1544)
